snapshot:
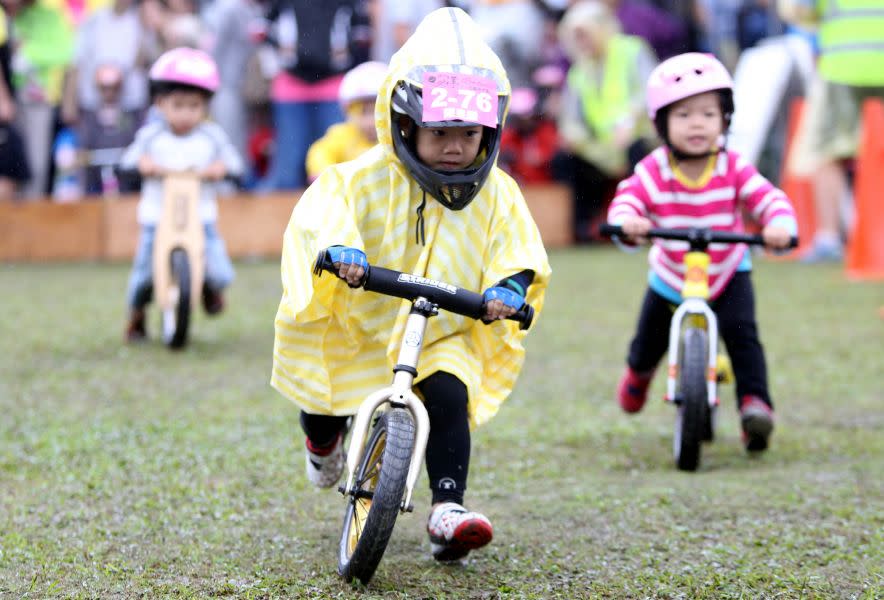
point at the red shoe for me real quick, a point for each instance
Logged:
(632, 391)
(135, 329)
(454, 531)
(757, 420)
(213, 301)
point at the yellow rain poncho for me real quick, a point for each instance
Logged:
(335, 345)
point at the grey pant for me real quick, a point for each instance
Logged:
(35, 122)
(229, 110)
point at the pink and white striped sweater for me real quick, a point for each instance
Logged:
(654, 191)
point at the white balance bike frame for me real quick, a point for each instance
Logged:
(398, 394)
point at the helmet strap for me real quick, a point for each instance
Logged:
(419, 237)
(409, 132)
(679, 155)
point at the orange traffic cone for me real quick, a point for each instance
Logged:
(799, 188)
(865, 247)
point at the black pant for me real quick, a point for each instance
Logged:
(591, 188)
(735, 309)
(448, 446)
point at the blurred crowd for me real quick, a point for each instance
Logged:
(74, 88)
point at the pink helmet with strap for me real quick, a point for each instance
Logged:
(684, 76)
(186, 66)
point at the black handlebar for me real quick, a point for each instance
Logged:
(444, 295)
(698, 237)
(236, 180)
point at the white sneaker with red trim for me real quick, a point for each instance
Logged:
(325, 465)
(454, 531)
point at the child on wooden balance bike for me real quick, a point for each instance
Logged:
(182, 141)
(428, 200)
(693, 181)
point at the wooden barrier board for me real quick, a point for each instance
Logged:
(120, 228)
(254, 226)
(43, 231)
(251, 225)
(552, 209)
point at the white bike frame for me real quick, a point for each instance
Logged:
(691, 307)
(399, 393)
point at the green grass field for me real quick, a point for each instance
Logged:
(130, 472)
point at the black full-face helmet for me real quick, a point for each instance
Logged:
(454, 189)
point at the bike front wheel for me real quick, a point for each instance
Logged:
(176, 318)
(374, 503)
(693, 421)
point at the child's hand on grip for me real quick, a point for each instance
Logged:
(351, 264)
(636, 228)
(500, 303)
(214, 172)
(776, 237)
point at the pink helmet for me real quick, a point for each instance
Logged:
(362, 82)
(523, 101)
(186, 66)
(684, 76)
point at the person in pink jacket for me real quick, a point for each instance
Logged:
(693, 180)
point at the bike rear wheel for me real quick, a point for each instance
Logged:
(374, 504)
(692, 424)
(176, 318)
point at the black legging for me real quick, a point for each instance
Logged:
(448, 446)
(735, 309)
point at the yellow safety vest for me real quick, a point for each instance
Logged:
(851, 38)
(605, 105)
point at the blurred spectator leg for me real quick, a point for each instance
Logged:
(289, 125)
(229, 110)
(14, 171)
(36, 121)
(828, 135)
(589, 188)
(297, 124)
(322, 116)
(830, 186)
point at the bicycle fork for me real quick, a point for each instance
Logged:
(398, 394)
(692, 308)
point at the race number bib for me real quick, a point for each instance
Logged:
(451, 96)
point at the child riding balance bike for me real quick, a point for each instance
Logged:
(181, 141)
(693, 182)
(427, 201)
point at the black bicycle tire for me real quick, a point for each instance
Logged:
(395, 430)
(180, 265)
(693, 411)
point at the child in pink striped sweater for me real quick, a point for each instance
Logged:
(694, 181)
